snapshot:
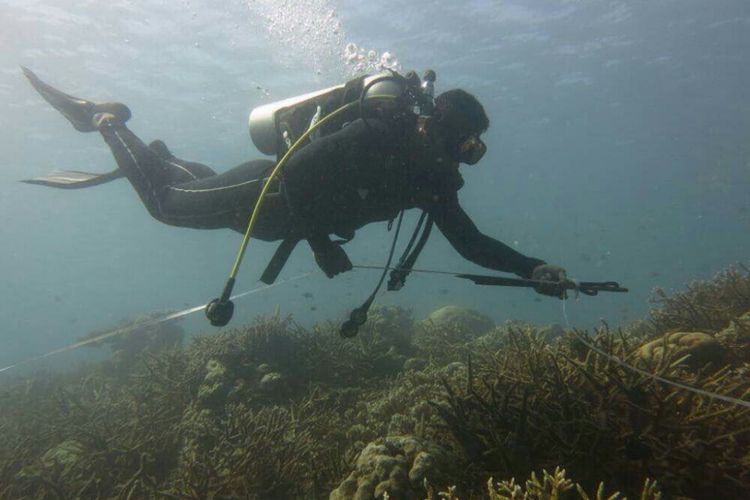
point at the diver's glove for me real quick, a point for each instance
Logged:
(556, 277)
(333, 260)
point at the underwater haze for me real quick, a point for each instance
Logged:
(619, 148)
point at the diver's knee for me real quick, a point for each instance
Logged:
(160, 148)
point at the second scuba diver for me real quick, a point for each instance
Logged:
(367, 167)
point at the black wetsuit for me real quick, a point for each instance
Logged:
(363, 173)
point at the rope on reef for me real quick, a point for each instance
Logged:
(168, 317)
(658, 378)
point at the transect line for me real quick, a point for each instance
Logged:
(169, 317)
(673, 383)
(414, 270)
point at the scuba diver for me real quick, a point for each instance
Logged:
(393, 147)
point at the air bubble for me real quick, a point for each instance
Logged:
(365, 61)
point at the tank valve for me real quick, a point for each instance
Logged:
(428, 92)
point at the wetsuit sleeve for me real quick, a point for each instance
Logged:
(475, 246)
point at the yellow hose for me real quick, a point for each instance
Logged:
(276, 170)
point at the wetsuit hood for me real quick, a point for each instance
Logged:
(462, 118)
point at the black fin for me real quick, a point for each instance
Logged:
(79, 112)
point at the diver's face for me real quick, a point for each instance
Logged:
(471, 149)
(464, 147)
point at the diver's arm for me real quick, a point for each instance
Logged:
(475, 246)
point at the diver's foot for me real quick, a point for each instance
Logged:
(80, 112)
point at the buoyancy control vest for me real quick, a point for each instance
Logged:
(274, 127)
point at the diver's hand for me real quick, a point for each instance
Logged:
(333, 261)
(556, 278)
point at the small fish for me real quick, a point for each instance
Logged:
(313, 308)
(58, 298)
(537, 299)
(307, 295)
(654, 274)
(586, 257)
(443, 291)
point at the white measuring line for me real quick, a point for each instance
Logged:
(169, 317)
(679, 385)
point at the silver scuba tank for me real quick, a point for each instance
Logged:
(274, 126)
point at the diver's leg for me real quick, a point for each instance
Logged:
(143, 167)
(178, 171)
(147, 172)
(84, 115)
(174, 191)
(183, 170)
(226, 200)
(211, 202)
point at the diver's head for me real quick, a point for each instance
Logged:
(462, 120)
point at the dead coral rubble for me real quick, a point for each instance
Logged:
(405, 410)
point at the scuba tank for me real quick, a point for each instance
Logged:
(274, 127)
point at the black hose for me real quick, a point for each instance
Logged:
(358, 316)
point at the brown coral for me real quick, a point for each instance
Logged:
(534, 405)
(396, 466)
(696, 348)
(273, 410)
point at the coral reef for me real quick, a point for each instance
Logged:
(472, 323)
(557, 485)
(706, 306)
(136, 336)
(395, 465)
(696, 348)
(532, 405)
(407, 410)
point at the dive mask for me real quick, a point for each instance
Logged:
(471, 150)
